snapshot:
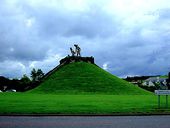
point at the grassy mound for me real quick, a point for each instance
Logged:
(85, 78)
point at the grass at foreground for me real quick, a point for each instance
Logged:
(26, 103)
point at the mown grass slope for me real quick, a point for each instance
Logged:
(85, 78)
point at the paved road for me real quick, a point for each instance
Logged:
(85, 122)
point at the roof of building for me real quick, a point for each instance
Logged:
(155, 79)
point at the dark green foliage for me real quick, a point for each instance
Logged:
(83, 78)
(36, 75)
(24, 83)
(15, 84)
(25, 79)
(33, 74)
(7, 84)
(151, 88)
(136, 78)
(4, 82)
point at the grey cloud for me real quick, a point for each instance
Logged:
(137, 56)
(17, 41)
(91, 25)
(98, 33)
(54, 22)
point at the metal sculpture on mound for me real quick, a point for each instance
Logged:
(77, 50)
(76, 56)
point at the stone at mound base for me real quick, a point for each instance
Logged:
(70, 59)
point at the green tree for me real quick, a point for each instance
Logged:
(25, 79)
(33, 74)
(36, 75)
(40, 74)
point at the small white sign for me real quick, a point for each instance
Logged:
(162, 92)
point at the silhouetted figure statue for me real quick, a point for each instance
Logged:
(72, 52)
(77, 50)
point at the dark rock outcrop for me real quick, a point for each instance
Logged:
(70, 59)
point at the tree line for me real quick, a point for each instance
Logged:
(22, 84)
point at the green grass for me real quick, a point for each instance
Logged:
(27, 103)
(165, 76)
(81, 88)
(85, 78)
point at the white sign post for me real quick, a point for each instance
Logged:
(162, 92)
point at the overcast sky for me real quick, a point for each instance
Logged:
(126, 37)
